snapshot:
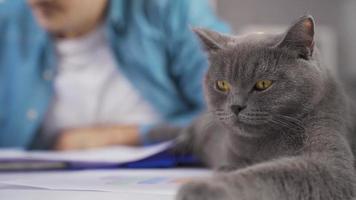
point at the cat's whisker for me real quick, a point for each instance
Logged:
(293, 121)
(289, 136)
(290, 118)
(209, 124)
(288, 122)
(276, 124)
(285, 124)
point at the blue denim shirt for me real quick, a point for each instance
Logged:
(150, 39)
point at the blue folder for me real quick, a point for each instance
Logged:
(162, 159)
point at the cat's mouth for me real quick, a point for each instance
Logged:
(244, 118)
(253, 120)
(275, 121)
(249, 126)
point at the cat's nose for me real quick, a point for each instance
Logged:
(236, 109)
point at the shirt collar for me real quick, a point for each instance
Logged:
(116, 13)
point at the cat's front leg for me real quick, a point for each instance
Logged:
(208, 189)
(295, 178)
(233, 163)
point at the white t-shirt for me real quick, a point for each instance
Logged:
(90, 90)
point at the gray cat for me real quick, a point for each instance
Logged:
(278, 121)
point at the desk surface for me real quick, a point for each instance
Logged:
(94, 184)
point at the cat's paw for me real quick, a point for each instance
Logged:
(182, 145)
(203, 190)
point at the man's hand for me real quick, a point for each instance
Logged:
(86, 138)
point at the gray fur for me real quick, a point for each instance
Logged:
(289, 142)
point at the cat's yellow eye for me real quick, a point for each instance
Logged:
(223, 86)
(263, 84)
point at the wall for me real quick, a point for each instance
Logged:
(340, 15)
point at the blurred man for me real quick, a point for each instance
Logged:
(89, 73)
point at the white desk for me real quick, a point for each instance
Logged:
(97, 184)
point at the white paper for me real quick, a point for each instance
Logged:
(154, 182)
(117, 154)
(11, 194)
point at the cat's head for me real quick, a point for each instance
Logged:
(260, 82)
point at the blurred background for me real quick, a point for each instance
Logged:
(85, 101)
(336, 24)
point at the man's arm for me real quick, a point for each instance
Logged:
(188, 62)
(94, 137)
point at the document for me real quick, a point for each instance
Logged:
(77, 195)
(153, 182)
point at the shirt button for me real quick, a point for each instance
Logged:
(47, 75)
(32, 114)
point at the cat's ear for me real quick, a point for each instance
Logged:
(212, 41)
(300, 37)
